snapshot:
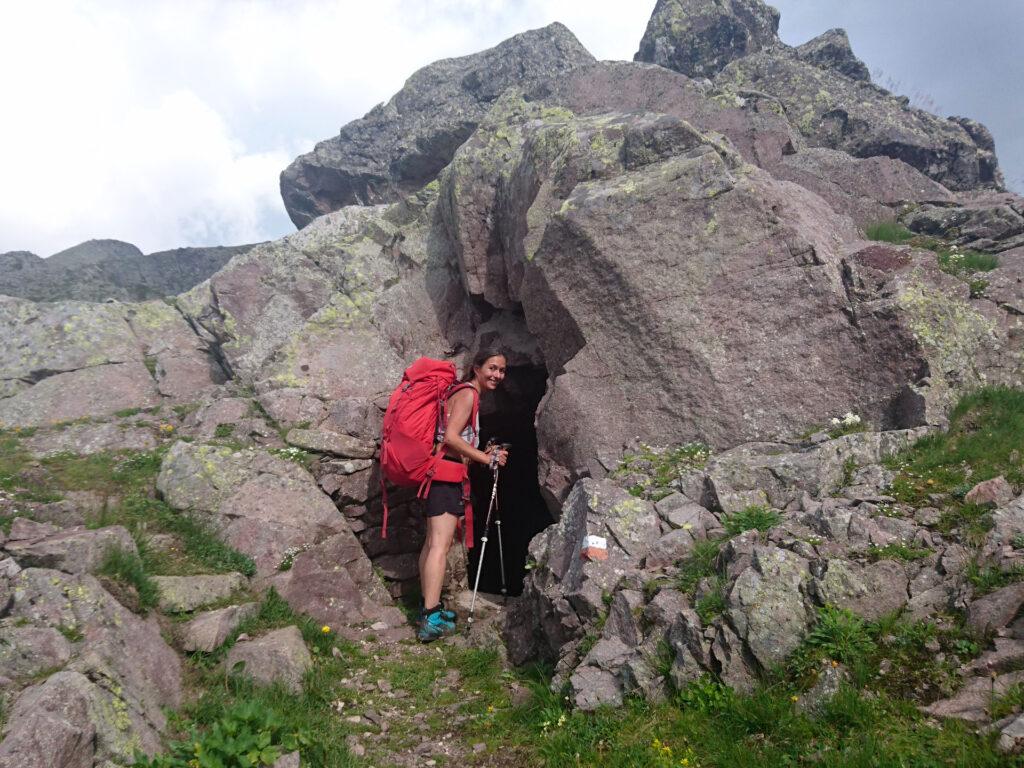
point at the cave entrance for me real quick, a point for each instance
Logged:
(508, 417)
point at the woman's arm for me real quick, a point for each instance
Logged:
(460, 412)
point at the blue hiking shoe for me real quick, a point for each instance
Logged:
(433, 625)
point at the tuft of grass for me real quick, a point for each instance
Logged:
(965, 263)
(128, 568)
(897, 552)
(713, 603)
(224, 430)
(699, 564)
(754, 517)
(202, 550)
(986, 580)
(889, 232)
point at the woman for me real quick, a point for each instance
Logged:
(444, 506)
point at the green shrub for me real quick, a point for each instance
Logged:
(889, 232)
(248, 735)
(224, 430)
(755, 517)
(840, 635)
(965, 263)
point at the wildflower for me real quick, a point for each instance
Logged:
(561, 720)
(835, 663)
(490, 708)
(325, 629)
(687, 526)
(794, 698)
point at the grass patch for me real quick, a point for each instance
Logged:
(128, 568)
(889, 232)
(892, 656)
(897, 552)
(224, 430)
(985, 580)
(985, 439)
(652, 471)
(754, 517)
(712, 604)
(965, 263)
(698, 565)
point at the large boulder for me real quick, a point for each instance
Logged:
(699, 38)
(261, 504)
(279, 656)
(112, 694)
(400, 146)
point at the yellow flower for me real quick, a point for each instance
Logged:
(325, 629)
(794, 698)
(490, 707)
(685, 761)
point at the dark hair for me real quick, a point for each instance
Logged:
(482, 356)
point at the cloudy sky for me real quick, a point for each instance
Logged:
(166, 123)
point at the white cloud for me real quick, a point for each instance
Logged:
(167, 122)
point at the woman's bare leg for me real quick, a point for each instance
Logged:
(434, 556)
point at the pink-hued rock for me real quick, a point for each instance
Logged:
(997, 609)
(991, 493)
(280, 656)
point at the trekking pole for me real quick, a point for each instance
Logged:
(501, 548)
(483, 548)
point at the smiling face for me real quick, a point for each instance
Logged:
(491, 373)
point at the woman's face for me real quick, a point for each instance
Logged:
(491, 373)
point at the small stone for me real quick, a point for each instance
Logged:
(384, 686)
(479, 747)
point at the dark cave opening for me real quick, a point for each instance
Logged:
(508, 417)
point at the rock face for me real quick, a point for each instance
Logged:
(402, 145)
(280, 656)
(699, 38)
(834, 111)
(108, 699)
(100, 270)
(113, 356)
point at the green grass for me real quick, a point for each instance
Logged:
(699, 564)
(897, 552)
(889, 232)
(965, 263)
(755, 517)
(655, 469)
(128, 568)
(224, 430)
(892, 656)
(985, 439)
(986, 580)
(713, 603)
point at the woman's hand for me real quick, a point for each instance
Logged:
(496, 456)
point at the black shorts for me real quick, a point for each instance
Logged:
(442, 498)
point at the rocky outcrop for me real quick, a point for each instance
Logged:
(400, 146)
(101, 270)
(831, 50)
(116, 676)
(280, 656)
(114, 357)
(699, 38)
(834, 111)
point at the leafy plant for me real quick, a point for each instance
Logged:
(247, 736)
(711, 604)
(224, 430)
(755, 517)
(840, 635)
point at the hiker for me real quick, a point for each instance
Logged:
(445, 503)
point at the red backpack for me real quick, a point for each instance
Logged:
(416, 413)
